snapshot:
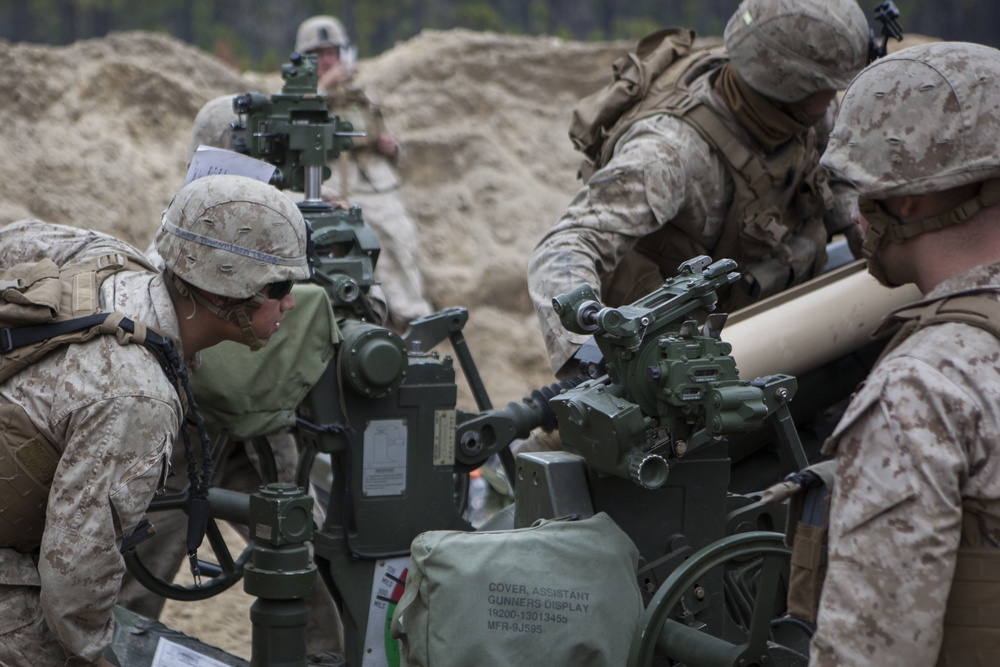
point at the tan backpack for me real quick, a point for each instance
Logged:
(44, 306)
(597, 115)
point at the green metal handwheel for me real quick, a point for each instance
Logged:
(659, 634)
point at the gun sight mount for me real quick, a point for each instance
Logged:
(671, 385)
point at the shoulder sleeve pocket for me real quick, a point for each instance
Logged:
(131, 495)
(874, 472)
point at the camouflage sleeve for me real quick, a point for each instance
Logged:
(895, 518)
(114, 460)
(657, 172)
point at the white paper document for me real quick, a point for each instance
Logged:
(208, 161)
(170, 654)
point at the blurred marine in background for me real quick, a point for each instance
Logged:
(366, 175)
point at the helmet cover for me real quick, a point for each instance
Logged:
(318, 32)
(790, 49)
(232, 236)
(212, 125)
(919, 121)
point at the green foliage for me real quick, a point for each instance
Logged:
(477, 16)
(540, 13)
(633, 29)
(258, 34)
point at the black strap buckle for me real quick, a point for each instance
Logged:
(6, 341)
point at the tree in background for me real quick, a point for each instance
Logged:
(258, 34)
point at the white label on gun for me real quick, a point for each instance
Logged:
(384, 467)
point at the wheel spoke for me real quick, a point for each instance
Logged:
(694, 647)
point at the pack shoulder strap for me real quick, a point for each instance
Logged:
(44, 307)
(668, 92)
(741, 159)
(13, 338)
(971, 308)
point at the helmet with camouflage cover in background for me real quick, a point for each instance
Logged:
(923, 120)
(233, 236)
(791, 49)
(213, 124)
(320, 31)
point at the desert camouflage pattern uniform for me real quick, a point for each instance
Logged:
(918, 443)
(240, 471)
(113, 414)
(663, 173)
(662, 170)
(369, 179)
(666, 185)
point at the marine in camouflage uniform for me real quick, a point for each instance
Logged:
(366, 175)
(674, 187)
(915, 512)
(95, 422)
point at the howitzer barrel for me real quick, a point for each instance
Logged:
(808, 326)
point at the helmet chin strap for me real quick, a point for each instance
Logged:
(885, 227)
(240, 313)
(879, 222)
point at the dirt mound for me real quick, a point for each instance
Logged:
(95, 133)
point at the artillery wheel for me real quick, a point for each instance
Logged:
(224, 574)
(226, 570)
(695, 648)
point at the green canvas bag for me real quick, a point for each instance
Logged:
(255, 393)
(557, 593)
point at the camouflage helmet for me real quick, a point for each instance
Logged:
(919, 121)
(791, 49)
(232, 236)
(318, 32)
(212, 125)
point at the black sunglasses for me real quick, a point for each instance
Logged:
(278, 290)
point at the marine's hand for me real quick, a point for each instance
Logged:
(388, 145)
(335, 201)
(335, 77)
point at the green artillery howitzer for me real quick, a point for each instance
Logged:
(385, 451)
(645, 436)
